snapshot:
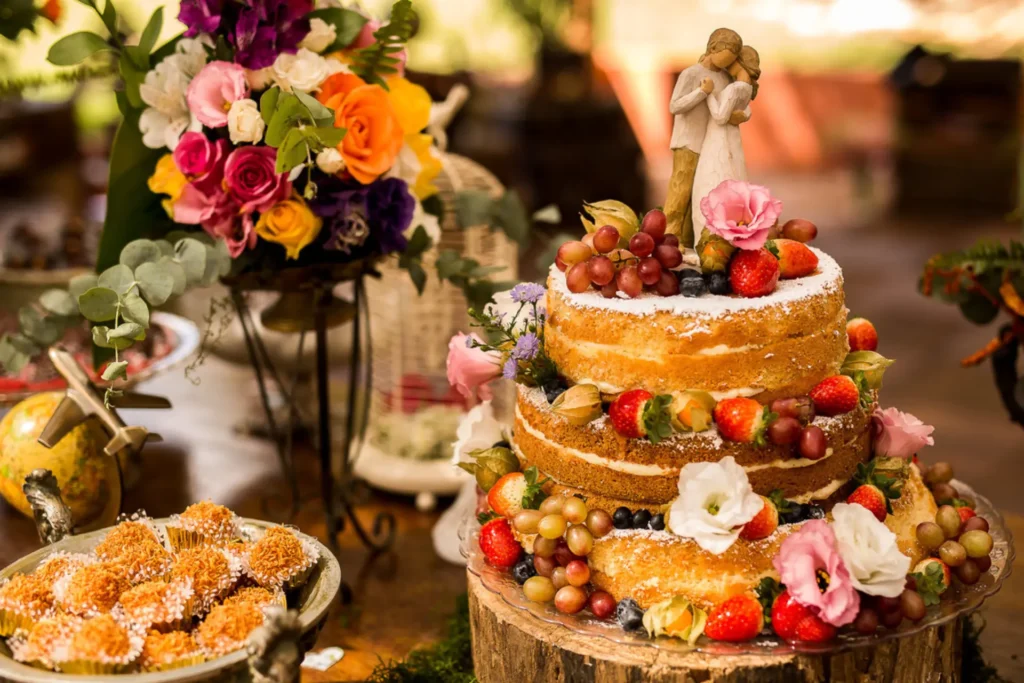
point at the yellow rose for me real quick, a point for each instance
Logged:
(422, 145)
(168, 180)
(410, 102)
(291, 224)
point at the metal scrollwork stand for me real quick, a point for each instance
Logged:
(1004, 370)
(312, 306)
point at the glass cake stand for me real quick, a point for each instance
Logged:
(959, 601)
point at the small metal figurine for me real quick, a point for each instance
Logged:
(274, 654)
(52, 515)
(84, 399)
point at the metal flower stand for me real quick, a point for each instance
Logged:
(308, 304)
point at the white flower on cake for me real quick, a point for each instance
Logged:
(478, 429)
(870, 551)
(715, 501)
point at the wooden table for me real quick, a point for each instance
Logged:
(402, 599)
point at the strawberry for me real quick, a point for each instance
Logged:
(861, 334)
(872, 498)
(753, 273)
(836, 395)
(795, 258)
(763, 524)
(515, 492)
(812, 629)
(787, 614)
(931, 579)
(876, 490)
(638, 413)
(739, 618)
(965, 513)
(499, 543)
(742, 419)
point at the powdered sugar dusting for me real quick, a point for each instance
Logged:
(828, 278)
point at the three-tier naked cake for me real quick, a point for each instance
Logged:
(698, 447)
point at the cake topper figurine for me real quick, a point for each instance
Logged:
(710, 100)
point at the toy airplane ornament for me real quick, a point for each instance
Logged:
(85, 399)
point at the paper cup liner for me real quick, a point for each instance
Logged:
(12, 620)
(89, 667)
(184, 539)
(179, 663)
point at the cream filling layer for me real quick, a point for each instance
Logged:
(742, 392)
(822, 493)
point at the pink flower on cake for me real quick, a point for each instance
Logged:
(815, 574)
(715, 501)
(252, 181)
(899, 435)
(212, 91)
(870, 551)
(741, 213)
(470, 369)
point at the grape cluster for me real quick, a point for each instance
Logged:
(598, 262)
(791, 427)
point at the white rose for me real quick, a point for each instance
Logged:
(427, 220)
(870, 551)
(167, 117)
(478, 429)
(329, 161)
(259, 79)
(321, 35)
(303, 71)
(244, 121)
(715, 501)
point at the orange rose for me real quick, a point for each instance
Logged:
(374, 134)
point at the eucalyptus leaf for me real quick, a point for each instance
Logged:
(177, 273)
(11, 359)
(192, 257)
(212, 270)
(24, 345)
(155, 282)
(119, 278)
(165, 247)
(223, 257)
(268, 103)
(512, 218)
(473, 207)
(34, 325)
(126, 331)
(80, 283)
(135, 309)
(292, 152)
(98, 304)
(76, 48)
(152, 31)
(137, 252)
(99, 338)
(115, 370)
(59, 302)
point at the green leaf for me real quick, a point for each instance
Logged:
(118, 278)
(11, 359)
(347, 25)
(192, 257)
(115, 370)
(155, 282)
(38, 328)
(133, 76)
(100, 339)
(109, 16)
(135, 310)
(328, 136)
(80, 283)
(978, 309)
(126, 331)
(290, 112)
(99, 304)
(322, 115)
(152, 31)
(76, 48)
(292, 152)
(434, 205)
(138, 57)
(416, 273)
(418, 243)
(268, 104)
(59, 302)
(473, 207)
(512, 219)
(137, 252)
(177, 273)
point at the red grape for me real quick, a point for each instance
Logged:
(601, 270)
(802, 408)
(563, 556)
(641, 244)
(912, 605)
(544, 565)
(561, 264)
(969, 573)
(621, 258)
(984, 563)
(577, 572)
(979, 523)
(784, 431)
(667, 285)
(654, 223)
(588, 240)
(866, 622)
(629, 282)
(605, 239)
(572, 253)
(671, 240)
(602, 604)
(800, 230)
(891, 619)
(608, 291)
(570, 599)
(668, 256)
(813, 443)
(578, 278)
(886, 604)
(649, 271)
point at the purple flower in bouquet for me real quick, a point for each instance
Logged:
(266, 28)
(200, 16)
(527, 347)
(389, 208)
(382, 210)
(511, 369)
(344, 213)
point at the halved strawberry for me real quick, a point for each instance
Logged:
(861, 335)
(742, 419)
(738, 618)
(876, 490)
(639, 413)
(931, 579)
(836, 395)
(763, 524)
(812, 629)
(499, 544)
(753, 273)
(787, 614)
(795, 258)
(691, 410)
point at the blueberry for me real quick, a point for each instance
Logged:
(692, 287)
(689, 274)
(629, 615)
(641, 518)
(718, 282)
(815, 512)
(657, 522)
(622, 518)
(792, 515)
(523, 570)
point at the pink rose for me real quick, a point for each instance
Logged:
(470, 369)
(813, 571)
(251, 180)
(238, 232)
(898, 435)
(201, 160)
(212, 91)
(741, 213)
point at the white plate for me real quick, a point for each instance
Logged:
(406, 475)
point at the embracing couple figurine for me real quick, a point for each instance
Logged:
(710, 100)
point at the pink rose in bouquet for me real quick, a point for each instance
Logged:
(251, 180)
(212, 91)
(814, 573)
(741, 213)
(470, 369)
(202, 160)
(899, 435)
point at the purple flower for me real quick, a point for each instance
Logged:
(266, 28)
(380, 212)
(390, 208)
(526, 347)
(200, 16)
(510, 369)
(527, 293)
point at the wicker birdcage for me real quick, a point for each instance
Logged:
(410, 332)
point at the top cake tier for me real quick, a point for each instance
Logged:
(770, 347)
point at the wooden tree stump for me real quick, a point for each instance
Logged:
(512, 646)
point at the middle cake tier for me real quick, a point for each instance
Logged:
(598, 461)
